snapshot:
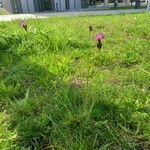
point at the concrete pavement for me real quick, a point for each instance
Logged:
(65, 14)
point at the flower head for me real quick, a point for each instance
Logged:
(100, 37)
(23, 25)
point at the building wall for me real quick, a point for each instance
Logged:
(77, 4)
(24, 6)
(7, 5)
(16, 6)
(74, 4)
(12, 6)
(27, 6)
(63, 5)
(59, 5)
(31, 6)
(36, 6)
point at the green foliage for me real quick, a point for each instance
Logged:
(58, 91)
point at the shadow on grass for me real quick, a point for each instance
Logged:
(45, 104)
(55, 114)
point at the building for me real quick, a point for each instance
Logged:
(0, 3)
(31, 6)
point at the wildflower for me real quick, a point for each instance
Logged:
(99, 38)
(24, 25)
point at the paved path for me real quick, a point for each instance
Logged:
(64, 14)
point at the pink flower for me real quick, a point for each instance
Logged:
(100, 37)
(23, 25)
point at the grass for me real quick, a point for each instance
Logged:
(58, 91)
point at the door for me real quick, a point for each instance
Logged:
(43, 5)
(47, 5)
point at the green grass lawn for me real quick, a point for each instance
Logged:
(59, 92)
